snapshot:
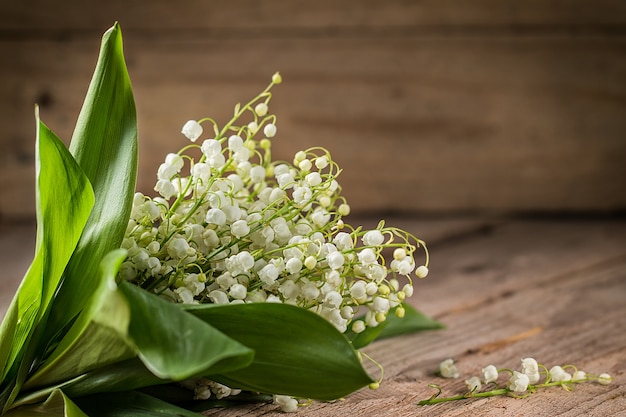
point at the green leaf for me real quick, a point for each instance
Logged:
(7, 330)
(64, 199)
(57, 404)
(297, 352)
(97, 338)
(413, 321)
(130, 404)
(122, 322)
(174, 344)
(121, 376)
(105, 145)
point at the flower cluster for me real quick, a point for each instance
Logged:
(520, 382)
(230, 225)
(204, 389)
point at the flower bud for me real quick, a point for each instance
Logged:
(358, 326)
(269, 130)
(192, 130)
(344, 209)
(261, 109)
(421, 271)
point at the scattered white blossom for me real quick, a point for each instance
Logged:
(518, 382)
(448, 369)
(531, 369)
(490, 374)
(558, 374)
(287, 404)
(473, 384)
(605, 379)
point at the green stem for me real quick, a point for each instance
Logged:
(493, 393)
(242, 110)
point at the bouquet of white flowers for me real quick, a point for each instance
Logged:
(238, 281)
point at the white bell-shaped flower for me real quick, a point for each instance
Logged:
(192, 130)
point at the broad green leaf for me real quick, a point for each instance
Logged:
(121, 376)
(174, 344)
(97, 338)
(130, 404)
(57, 405)
(64, 199)
(7, 330)
(105, 145)
(297, 352)
(413, 321)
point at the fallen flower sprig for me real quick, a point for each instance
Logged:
(520, 384)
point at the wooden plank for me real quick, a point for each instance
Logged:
(505, 290)
(557, 311)
(510, 257)
(236, 16)
(419, 125)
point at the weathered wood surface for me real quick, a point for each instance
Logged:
(482, 106)
(553, 290)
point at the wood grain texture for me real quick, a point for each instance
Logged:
(506, 290)
(428, 106)
(544, 290)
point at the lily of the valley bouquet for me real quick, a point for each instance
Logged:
(237, 281)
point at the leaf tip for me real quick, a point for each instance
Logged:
(114, 32)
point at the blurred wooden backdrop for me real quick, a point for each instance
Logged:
(442, 106)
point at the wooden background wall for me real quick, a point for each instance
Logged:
(442, 106)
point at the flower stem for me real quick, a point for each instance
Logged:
(492, 393)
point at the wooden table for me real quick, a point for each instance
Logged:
(506, 289)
